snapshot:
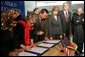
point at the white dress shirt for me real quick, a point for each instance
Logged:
(65, 13)
(55, 18)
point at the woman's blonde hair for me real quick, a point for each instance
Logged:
(30, 15)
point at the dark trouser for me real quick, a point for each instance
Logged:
(80, 46)
(79, 49)
(39, 38)
(4, 51)
(67, 33)
(56, 36)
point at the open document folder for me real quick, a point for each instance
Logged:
(35, 51)
(38, 50)
(48, 45)
(52, 41)
(26, 54)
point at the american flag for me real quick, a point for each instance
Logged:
(65, 49)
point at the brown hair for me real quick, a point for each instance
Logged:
(7, 19)
(35, 9)
(55, 8)
(44, 10)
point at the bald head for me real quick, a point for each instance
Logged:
(65, 6)
(79, 11)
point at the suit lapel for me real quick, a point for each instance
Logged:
(54, 18)
(63, 14)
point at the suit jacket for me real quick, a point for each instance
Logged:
(6, 42)
(41, 25)
(18, 35)
(66, 26)
(54, 26)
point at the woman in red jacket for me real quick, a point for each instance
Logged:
(22, 31)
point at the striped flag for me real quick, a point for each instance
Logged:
(65, 49)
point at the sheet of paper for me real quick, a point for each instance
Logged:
(53, 41)
(26, 54)
(39, 50)
(46, 45)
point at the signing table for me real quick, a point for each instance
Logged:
(48, 48)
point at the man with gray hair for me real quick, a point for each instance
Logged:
(65, 16)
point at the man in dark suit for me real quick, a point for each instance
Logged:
(54, 24)
(41, 25)
(65, 16)
(78, 32)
